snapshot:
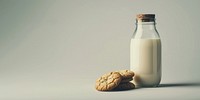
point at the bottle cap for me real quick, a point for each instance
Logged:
(145, 17)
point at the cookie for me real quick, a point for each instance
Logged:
(126, 80)
(126, 74)
(124, 86)
(108, 81)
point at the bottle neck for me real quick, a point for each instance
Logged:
(146, 26)
(145, 30)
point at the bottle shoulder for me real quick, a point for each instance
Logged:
(145, 35)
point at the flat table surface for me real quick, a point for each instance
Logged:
(182, 91)
(86, 91)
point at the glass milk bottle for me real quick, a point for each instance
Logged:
(145, 52)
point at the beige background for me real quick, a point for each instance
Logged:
(55, 49)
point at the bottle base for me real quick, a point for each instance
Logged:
(146, 86)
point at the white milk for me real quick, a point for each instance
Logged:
(145, 61)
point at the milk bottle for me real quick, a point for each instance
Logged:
(145, 52)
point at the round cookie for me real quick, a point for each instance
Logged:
(108, 81)
(126, 80)
(124, 86)
(126, 74)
